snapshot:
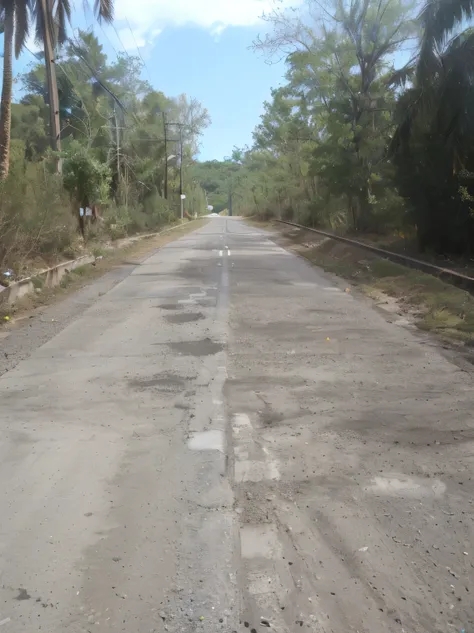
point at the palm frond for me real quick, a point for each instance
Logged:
(402, 76)
(104, 10)
(455, 107)
(61, 18)
(441, 17)
(39, 22)
(60, 23)
(409, 108)
(22, 25)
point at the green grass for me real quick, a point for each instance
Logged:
(98, 250)
(38, 282)
(385, 268)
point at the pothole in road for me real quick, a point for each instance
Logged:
(204, 347)
(184, 317)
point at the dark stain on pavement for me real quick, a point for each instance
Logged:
(163, 382)
(184, 317)
(204, 347)
(269, 417)
(23, 595)
(192, 272)
(171, 306)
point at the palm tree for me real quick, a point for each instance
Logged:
(442, 75)
(50, 23)
(433, 144)
(15, 21)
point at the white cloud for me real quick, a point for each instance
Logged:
(131, 39)
(30, 44)
(148, 17)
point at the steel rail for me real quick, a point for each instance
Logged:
(446, 274)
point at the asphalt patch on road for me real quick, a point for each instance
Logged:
(204, 347)
(171, 306)
(184, 317)
(192, 272)
(162, 382)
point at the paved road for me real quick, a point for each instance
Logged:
(227, 435)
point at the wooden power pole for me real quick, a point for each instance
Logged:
(166, 154)
(117, 146)
(180, 160)
(47, 9)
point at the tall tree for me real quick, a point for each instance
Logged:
(433, 145)
(339, 55)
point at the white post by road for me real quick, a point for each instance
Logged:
(183, 198)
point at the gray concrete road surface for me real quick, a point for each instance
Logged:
(223, 439)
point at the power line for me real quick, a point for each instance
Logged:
(138, 50)
(120, 40)
(108, 40)
(94, 73)
(35, 55)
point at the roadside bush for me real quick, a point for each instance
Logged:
(86, 179)
(157, 212)
(116, 221)
(35, 216)
(120, 221)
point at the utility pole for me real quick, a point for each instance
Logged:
(181, 151)
(166, 155)
(117, 143)
(181, 170)
(47, 10)
(180, 160)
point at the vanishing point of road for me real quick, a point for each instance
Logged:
(223, 439)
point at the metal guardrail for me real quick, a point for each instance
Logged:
(446, 274)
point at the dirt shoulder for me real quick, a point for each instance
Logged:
(130, 251)
(418, 298)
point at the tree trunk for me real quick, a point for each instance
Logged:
(6, 98)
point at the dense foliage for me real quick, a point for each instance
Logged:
(371, 131)
(114, 154)
(351, 141)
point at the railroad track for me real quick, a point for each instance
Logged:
(446, 274)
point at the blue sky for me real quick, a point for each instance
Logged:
(231, 81)
(201, 48)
